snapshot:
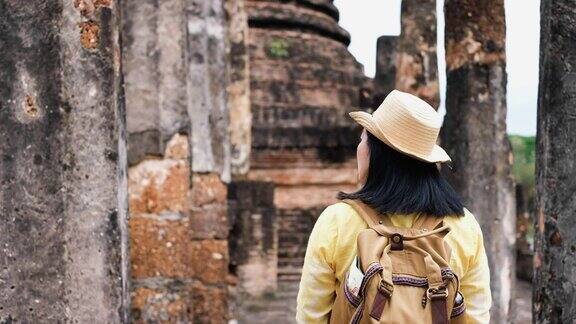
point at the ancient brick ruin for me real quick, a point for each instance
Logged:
(175, 68)
(303, 81)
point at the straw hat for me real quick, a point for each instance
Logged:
(406, 123)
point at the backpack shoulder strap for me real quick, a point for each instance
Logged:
(428, 222)
(369, 215)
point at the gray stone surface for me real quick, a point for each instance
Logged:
(206, 81)
(176, 66)
(416, 59)
(239, 87)
(62, 168)
(555, 277)
(154, 41)
(385, 78)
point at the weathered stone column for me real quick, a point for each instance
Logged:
(239, 88)
(408, 62)
(474, 133)
(154, 74)
(555, 279)
(176, 72)
(206, 81)
(385, 77)
(416, 60)
(63, 194)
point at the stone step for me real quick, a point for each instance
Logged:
(287, 294)
(289, 278)
(290, 254)
(292, 249)
(301, 243)
(292, 245)
(289, 274)
(290, 263)
(292, 240)
(290, 270)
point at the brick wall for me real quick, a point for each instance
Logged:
(295, 226)
(178, 235)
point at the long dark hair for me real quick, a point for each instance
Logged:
(400, 184)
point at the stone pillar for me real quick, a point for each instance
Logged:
(474, 133)
(63, 196)
(254, 236)
(385, 77)
(154, 75)
(207, 81)
(176, 72)
(239, 88)
(416, 60)
(408, 62)
(555, 279)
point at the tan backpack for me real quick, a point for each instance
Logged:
(404, 275)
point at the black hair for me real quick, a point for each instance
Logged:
(400, 184)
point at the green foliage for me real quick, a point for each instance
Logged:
(524, 148)
(279, 48)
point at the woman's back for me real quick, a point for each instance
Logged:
(332, 247)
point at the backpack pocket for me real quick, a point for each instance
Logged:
(351, 297)
(458, 311)
(345, 304)
(353, 283)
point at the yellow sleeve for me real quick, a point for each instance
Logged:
(318, 283)
(475, 284)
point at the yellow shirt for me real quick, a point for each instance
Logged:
(332, 246)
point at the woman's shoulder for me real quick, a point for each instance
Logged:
(466, 224)
(336, 230)
(338, 221)
(334, 225)
(340, 214)
(464, 238)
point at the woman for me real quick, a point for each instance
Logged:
(397, 170)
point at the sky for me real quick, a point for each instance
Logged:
(366, 20)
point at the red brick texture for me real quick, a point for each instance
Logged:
(178, 236)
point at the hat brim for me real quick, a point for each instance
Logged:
(437, 155)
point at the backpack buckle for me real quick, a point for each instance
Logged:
(384, 293)
(437, 293)
(386, 288)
